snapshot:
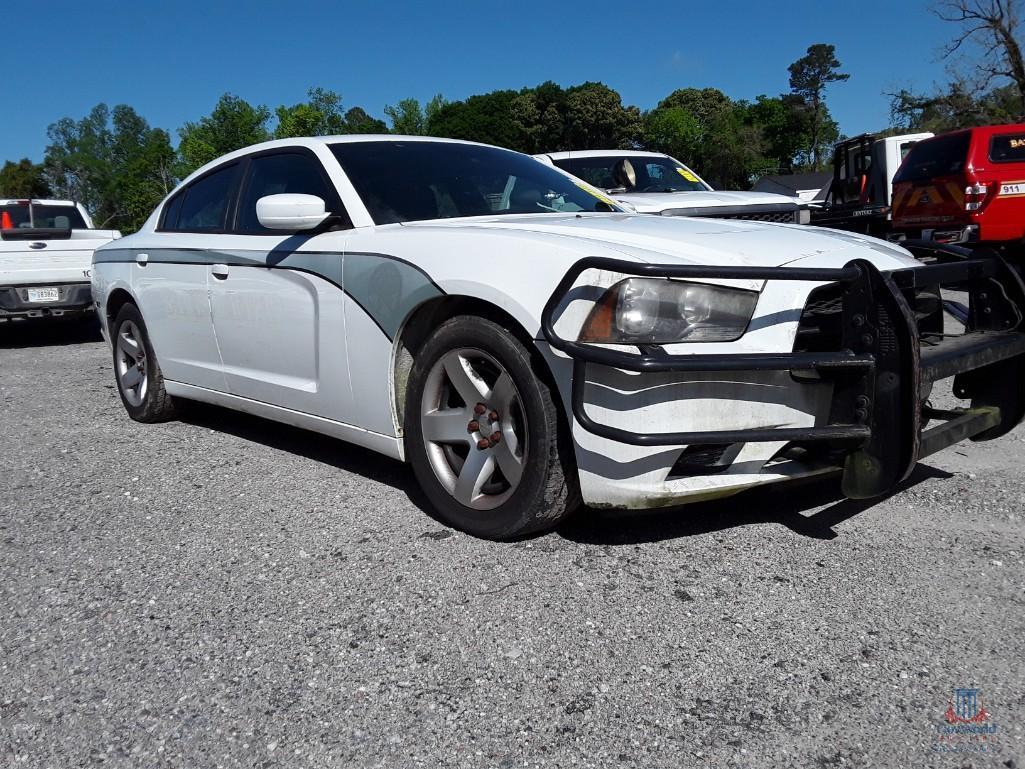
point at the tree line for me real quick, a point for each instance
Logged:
(119, 166)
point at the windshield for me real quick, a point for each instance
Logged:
(652, 173)
(16, 216)
(408, 181)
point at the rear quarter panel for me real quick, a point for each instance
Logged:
(1003, 218)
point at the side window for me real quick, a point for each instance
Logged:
(287, 172)
(206, 204)
(1007, 148)
(171, 211)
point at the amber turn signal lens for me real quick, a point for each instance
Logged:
(601, 320)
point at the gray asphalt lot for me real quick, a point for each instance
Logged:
(225, 591)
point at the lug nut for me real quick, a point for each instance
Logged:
(473, 427)
(483, 443)
(493, 415)
(496, 437)
(480, 408)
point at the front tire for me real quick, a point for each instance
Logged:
(136, 370)
(483, 433)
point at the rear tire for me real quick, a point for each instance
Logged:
(140, 382)
(483, 434)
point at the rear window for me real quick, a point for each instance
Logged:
(1007, 148)
(941, 156)
(42, 217)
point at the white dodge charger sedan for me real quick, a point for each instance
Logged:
(527, 346)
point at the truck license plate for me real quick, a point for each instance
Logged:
(44, 294)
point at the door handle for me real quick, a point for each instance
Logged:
(219, 271)
(142, 259)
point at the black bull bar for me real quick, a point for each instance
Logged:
(884, 363)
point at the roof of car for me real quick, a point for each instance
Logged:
(602, 154)
(313, 141)
(35, 201)
(343, 138)
(981, 130)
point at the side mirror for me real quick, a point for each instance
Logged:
(291, 211)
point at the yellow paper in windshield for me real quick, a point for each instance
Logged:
(603, 198)
(687, 174)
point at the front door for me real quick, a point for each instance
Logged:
(277, 299)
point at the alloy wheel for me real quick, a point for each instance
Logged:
(132, 366)
(474, 428)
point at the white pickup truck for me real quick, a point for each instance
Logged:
(654, 183)
(46, 251)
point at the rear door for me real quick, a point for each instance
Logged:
(929, 187)
(277, 299)
(171, 276)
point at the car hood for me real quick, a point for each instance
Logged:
(685, 240)
(647, 202)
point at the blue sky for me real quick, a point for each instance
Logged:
(171, 60)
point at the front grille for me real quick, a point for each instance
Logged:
(781, 217)
(780, 214)
(821, 325)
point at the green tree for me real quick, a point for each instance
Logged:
(143, 167)
(597, 119)
(23, 179)
(707, 105)
(486, 118)
(409, 118)
(77, 161)
(545, 118)
(685, 125)
(233, 124)
(734, 157)
(674, 131)
(112, 162)
(321, 115)
(783, 122)
(809, 77)
(722, 139)
(357, 121)
(539, 115)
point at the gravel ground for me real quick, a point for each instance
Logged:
(224, 591)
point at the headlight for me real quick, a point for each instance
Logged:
(659, 311)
